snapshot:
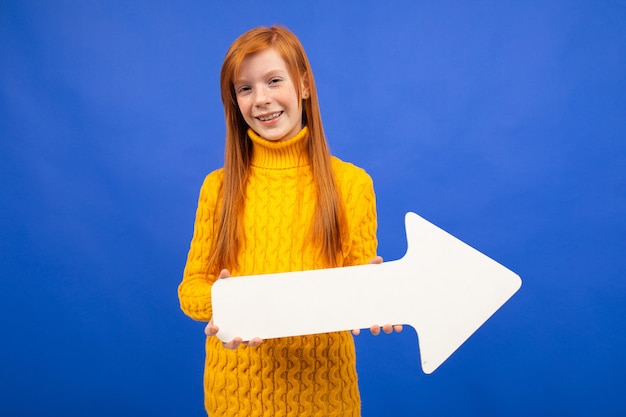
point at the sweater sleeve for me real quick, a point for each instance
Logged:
(194, 292)
(360, 204)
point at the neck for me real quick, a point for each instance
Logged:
(288, 153)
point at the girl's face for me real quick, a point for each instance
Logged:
(267, 96)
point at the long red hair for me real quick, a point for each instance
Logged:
(329, 220)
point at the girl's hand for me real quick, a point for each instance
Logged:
(211, 329)
(387, 329)
(375, 329)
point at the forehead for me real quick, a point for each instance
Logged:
(258, 64)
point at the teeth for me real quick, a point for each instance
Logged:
(269, 117)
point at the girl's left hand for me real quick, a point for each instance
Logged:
(375, 329)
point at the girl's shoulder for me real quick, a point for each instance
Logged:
(214, 176)
(212, 184)
(347, 173)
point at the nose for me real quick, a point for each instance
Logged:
(261, 96)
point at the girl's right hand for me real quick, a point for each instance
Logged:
(211, 329)
(375, 329)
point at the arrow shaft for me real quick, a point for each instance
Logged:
(321, 300)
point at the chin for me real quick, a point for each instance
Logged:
(273, 137)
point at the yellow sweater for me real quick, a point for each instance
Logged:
(297, 376)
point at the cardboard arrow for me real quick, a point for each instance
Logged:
(441, 287)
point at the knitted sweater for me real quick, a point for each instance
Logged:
(297, 376)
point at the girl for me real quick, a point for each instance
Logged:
(280, 203)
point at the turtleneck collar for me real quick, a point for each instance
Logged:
(288, 153)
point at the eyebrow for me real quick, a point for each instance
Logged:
(267, 74)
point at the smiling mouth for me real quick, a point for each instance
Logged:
(269, 117)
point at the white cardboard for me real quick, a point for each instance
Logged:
(442, 287)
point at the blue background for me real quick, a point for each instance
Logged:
(503, 122)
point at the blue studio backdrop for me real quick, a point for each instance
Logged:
(502, 122)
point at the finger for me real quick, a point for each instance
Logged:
(254, 342)
(375, 329)
(233, 344)
(397, 328)
(211, 329)
(376, 260)
(388, 328)
(224, 273)
(356, 332)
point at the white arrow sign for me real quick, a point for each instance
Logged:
(442, 287)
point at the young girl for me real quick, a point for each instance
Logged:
(280, 203)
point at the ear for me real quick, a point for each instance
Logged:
(304, 86)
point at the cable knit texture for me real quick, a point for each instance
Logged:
(297, 376)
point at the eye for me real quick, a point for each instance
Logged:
(243, 89)
(275, 80)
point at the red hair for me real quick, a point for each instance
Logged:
(329, 218)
